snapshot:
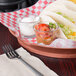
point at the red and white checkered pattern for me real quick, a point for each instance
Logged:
(9, 19)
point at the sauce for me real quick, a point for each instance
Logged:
(26, 25)
(46, 33)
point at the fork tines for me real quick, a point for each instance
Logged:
(10, 52)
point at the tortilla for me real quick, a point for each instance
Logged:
(46, 19)
(58, 6)
(58, 18)
(69, 4)
(68, 28)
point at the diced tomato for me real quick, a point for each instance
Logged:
(45, 28)
(36, 27)
(42, 27)
(46, 37)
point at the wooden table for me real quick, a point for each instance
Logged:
(63, 67)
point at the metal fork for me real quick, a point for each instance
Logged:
(11, 54)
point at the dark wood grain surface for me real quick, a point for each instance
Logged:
(63, 67)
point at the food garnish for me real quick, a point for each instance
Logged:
(45, 33)
(70, 19)
(70, 34)
(52, 25)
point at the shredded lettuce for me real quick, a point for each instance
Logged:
(70, 19)
(60, 25)
(59, 13)
(52, 25)
(67, 31)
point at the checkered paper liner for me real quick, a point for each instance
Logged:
(9, 20)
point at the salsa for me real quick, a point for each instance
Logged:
(46, 33)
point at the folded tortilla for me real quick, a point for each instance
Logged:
(60, 8)
(66, 26)
(69, 4)
(58, 18)
(46, 19)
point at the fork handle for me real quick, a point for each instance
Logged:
(36, 71)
